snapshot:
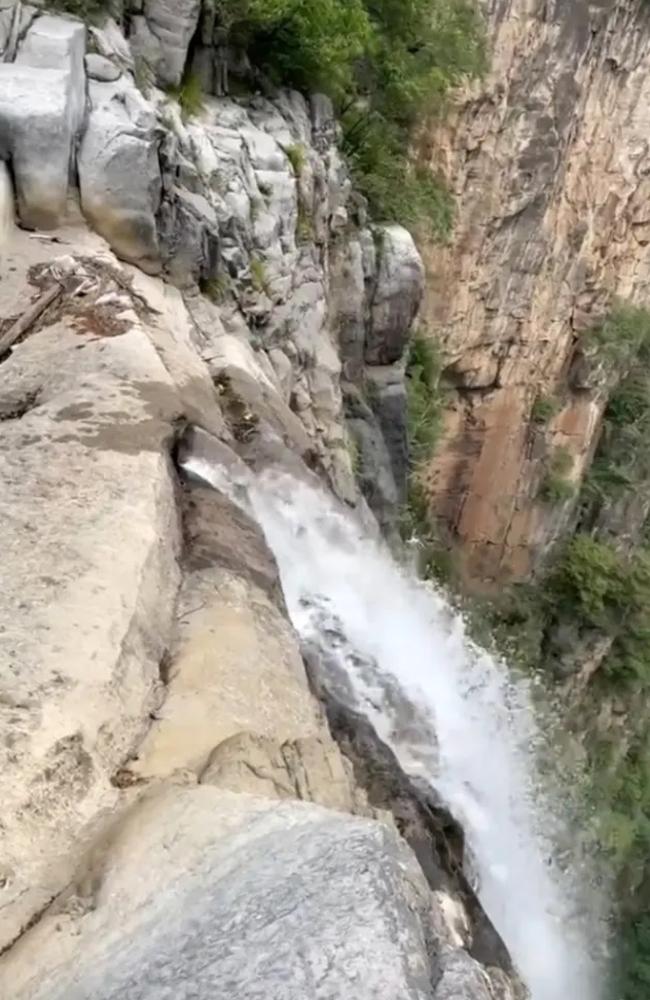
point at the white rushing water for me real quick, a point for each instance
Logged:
(403, 658)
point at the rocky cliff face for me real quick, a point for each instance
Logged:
(549, 163)
(176, 813)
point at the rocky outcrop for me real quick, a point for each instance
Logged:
(399, 285)
(119, 174)
(234, 896)
(251, 201)
(42, 102)
(548, 162)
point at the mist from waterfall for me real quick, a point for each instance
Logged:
(469, 730)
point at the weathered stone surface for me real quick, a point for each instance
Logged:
(463, 979)
(348, 294)
(372, 459)
(54, 42)
(119, 173)
(386, 391)
(232, 639)
(217, 533)
(214, 895)
(548, 163)
(399, 286)
(98, 67)
(173, 23)
(89, 566)
(42, 99)
(310, 769)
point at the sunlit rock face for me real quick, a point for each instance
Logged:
(548, 160)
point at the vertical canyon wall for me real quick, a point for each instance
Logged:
(549, 161)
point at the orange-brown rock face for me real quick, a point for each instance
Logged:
(550, 163)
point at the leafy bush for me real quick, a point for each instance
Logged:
(622, 462)
(259, 277)
(556, 487)
(544, 409)
(623, 335)
(424, 399)
(634, 973)
(217, 288)
(385, 63)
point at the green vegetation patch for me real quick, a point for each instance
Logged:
(386, 64)
(556, 487)
(189, 95)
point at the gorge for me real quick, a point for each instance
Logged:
(323, 410)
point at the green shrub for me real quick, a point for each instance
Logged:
(297, 156)
(544, 409)
(590, 580)
(424, 398)
(622, 462)
(397, 189)
(634, 960)
(623, 334)
(386, 63)
(189, 95)
(424, 412)
(259, 278)
(556, 487)
(217, 288)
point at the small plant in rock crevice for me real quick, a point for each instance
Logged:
(424, 415)
(217, 288)
(304, 224)
(297, 157)
(259, 277)
(556, 487)
(543, 409)
(189, 95)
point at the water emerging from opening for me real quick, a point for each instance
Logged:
(450, 712)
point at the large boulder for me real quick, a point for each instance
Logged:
(207, 894)
(398, 293)
(42, 101)
(55, 42)
(172, 24)
(119, 172)
(87, 500)
(232, 639)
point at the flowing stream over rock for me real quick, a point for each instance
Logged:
(393, 649)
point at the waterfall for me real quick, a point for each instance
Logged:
(451, 713)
